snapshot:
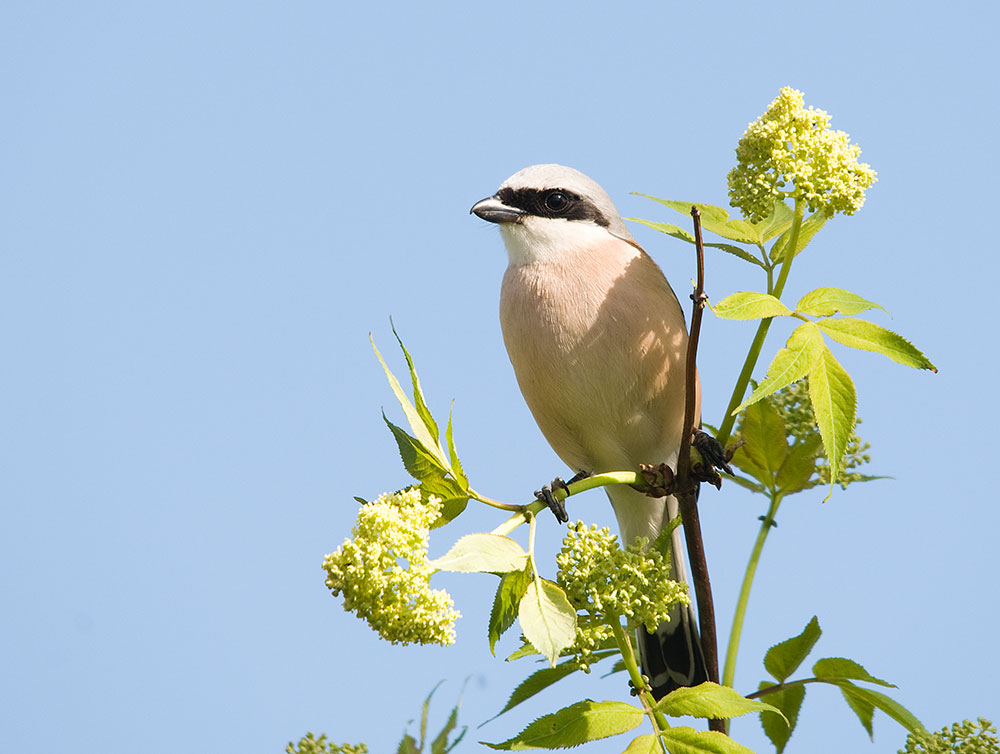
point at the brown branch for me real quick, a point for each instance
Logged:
(687, 494)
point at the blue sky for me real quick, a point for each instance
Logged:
(206, 207)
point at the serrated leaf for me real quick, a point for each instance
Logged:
(840, 668)
(482, 553)
(420, 462)
(825, 302)
(880, 701)
(863, 708)
(644, 744)
(526, 651)
(710, 700)
(547, 618)
(440, 743)
(790, 364)
(424, 712)
(413, 417)
(451, 508)
(784, 658)
(867, 336)
(456, 465)
(418, 394)
(575, 725)
(541, 680)
(809, 228)
(776, 223)
(408, 745)
(750, 305)
(799, 466)
(834, 400)
(766, 441)
(679, 233)
(789, 701)
(684, 740)
(512, 587)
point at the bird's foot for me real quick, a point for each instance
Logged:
(557, 506)
(713, 456)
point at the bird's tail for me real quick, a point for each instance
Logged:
(671, 656)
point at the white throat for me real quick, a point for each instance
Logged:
(544, 239)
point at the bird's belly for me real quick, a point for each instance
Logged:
(597, 365)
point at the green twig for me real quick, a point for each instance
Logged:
(729, 673)
(726, 427)
(642, 690)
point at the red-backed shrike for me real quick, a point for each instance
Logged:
(598, 342)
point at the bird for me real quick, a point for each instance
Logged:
(598, 342)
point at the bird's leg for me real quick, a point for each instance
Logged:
(558, 507)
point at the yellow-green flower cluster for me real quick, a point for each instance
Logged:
(601, 578)
(796, 411)
(396, 601)
(961, 738)
(791, 151)
(309, 744)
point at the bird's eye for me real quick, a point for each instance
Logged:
(556, 201)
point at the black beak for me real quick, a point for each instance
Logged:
(495, 211)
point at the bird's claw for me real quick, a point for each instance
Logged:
(712, 451)
(557, 506)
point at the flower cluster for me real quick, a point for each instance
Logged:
(792, 144)
(309, 744)
(797, 413)
(396, 601)
(961, 738)
(608, 582)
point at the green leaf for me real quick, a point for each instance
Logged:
(526, 651)
(776, 223)
(456, 465)
(644, 744)
(710, 700)
(834, 401)
(408, 745)
(440, 743)
(867, 336)
(575, 725)
(421, 463)
(790, 364)
(863, 708)
(541, 680)
(547, 618)
(684, 740)
(840, 668)
(683, 235)
(824, 302)
(799, 467)
(766, 445)
(482, 553)
(864, 698)
(453, 498)
(750, 305)
(789, 701)
(809, 228)
(745, 483)
(784, 658)
(418, 395)
(512, 587)
(413, 417)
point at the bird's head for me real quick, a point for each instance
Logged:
(545, 210)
